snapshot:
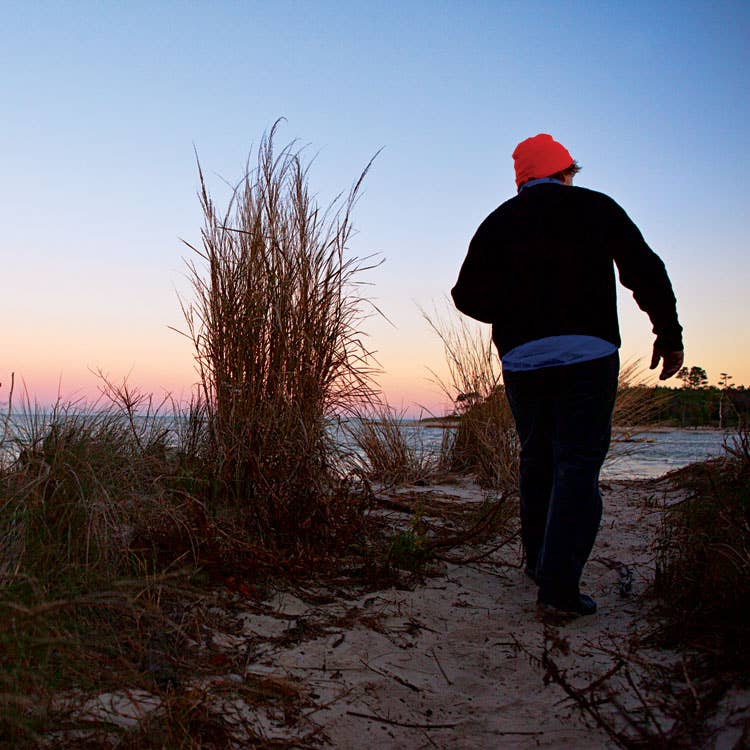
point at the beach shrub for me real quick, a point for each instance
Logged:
(703, 562)
(275, 322)
(67, 498)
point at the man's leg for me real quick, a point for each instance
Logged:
(583, 422)
(532, 414)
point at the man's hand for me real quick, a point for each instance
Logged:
(672, 362)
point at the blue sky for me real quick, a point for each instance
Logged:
(103, 102)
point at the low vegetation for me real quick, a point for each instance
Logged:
(95, 532)
(703, 570)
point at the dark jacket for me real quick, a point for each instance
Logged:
(542, 265)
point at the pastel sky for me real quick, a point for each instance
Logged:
(103, 102)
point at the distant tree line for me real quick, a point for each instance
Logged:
(698, 404)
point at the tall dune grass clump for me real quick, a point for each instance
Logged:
(275, 321)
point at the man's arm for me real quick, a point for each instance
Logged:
(476, 288)
(642, 271)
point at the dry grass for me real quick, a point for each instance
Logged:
(637, 401)
(485, 440)
(275, 322)
(388, 451)
(82, 490)
(78, 482)
(703, 560)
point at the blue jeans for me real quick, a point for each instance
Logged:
(563, 417)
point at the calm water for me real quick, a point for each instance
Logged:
(649, 455)
(656, 453)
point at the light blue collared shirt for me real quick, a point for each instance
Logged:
(539, 181)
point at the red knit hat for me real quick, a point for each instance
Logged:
(540, 156)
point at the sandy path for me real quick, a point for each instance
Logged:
(444, 658)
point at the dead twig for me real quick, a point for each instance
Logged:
(391, 504)
(400, 680)
(482, 555)
(690, 685)
(481, 526)
(407, 724)
(440, 666)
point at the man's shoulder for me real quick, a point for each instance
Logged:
(562, 198)
(573, 192)
(506, 206)
(599, 206)
(592, 196)
(505, 209)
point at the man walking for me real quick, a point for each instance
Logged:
(540, 269)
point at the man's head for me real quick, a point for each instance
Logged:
(542, 156)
